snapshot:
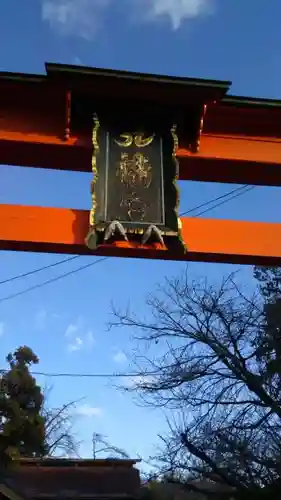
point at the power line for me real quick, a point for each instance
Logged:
(239, 190)
(86, 375)
(38, 270)
(52, 280)
(224, 201)
(236, 192)
(225, 198)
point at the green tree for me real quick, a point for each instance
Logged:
(22, 427)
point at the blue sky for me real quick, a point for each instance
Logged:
(65, 323)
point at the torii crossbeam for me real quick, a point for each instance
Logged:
(133, 131)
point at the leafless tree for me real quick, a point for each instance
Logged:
(205, 353)
(59, 428)
(101, 446)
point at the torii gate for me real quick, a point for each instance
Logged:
(121, 126)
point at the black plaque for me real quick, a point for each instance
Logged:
(135, 174)
(134, 184)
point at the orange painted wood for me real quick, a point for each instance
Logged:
(220, 159)
(241, 142)
(234, 159)
(243, 148)
(259, 120)
(59, 230)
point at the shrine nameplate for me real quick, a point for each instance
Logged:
(134, 191)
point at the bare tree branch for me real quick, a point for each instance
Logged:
(59, 427)
(206, 353)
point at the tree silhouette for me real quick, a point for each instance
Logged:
(211, 356)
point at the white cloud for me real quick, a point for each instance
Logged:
(75, 345)
(119, 357)
(71, 329)
(74, 17)
(58, 316)
(176, 10)
(88, 411)
(1, 329)
(83, 18)
(78, 337)
(44, 319)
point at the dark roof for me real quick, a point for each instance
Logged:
(21, 77)
(53, 69)
(109, 80)
(69, 479)
(125, 85)
(115, 85)
(78, 462)
(251, 101)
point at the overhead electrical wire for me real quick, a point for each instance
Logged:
(239, 190)
(235, 192)
(225, 197)
(85, 375)
(38, 270)
(224, 201)
(52, 280)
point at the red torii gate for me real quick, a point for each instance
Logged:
(44, 122)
